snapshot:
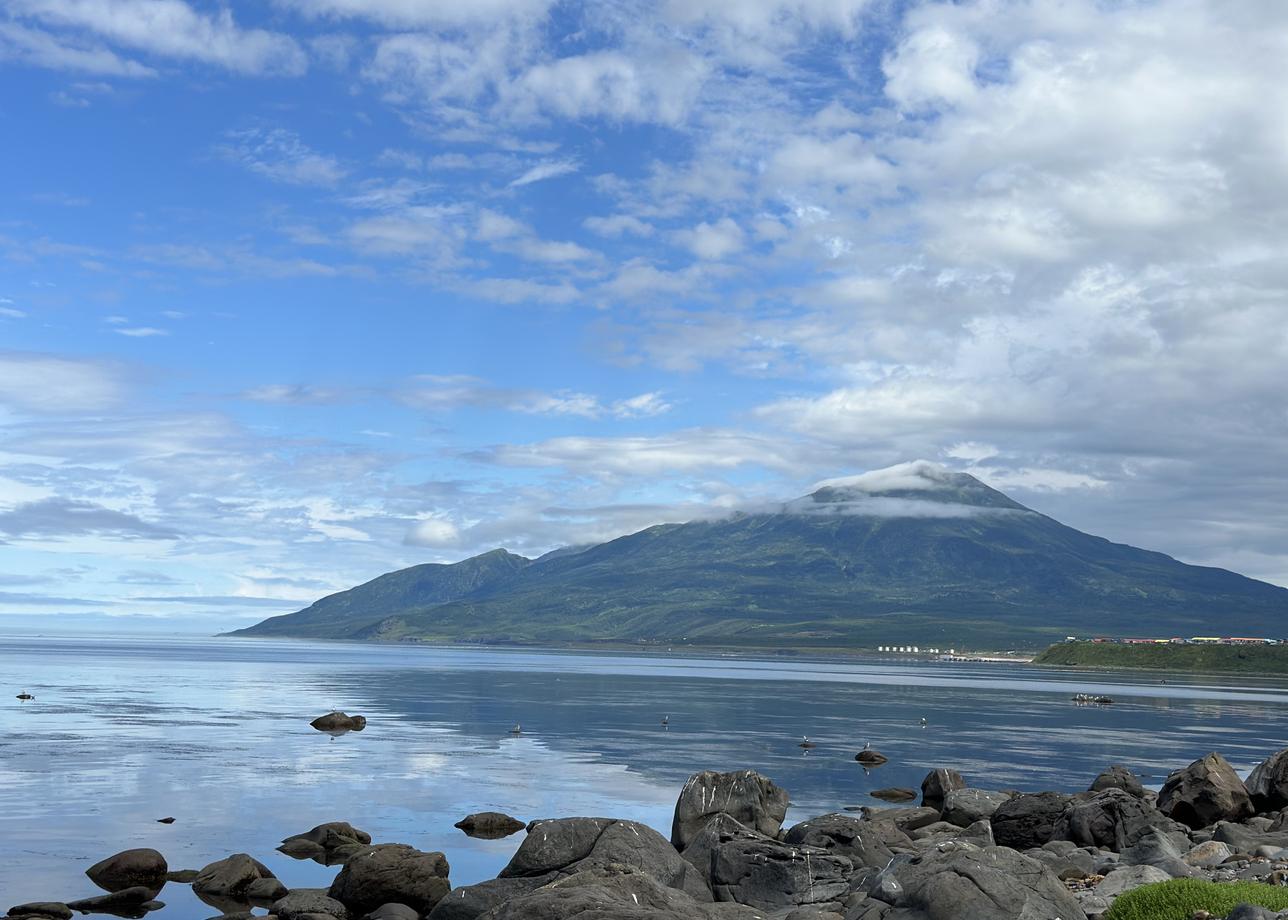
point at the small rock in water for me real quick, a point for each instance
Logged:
(182, 876)
(127, 900)
(142, 868)
(490, 825)
(871, 758)
(339, 722)
(894, 794)
(165, 820)
(55, 910)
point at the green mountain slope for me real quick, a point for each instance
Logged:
(339, 615)
(916, 555)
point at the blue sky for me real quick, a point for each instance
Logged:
(294, 293)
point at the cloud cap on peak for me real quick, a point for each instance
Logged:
(914, 488)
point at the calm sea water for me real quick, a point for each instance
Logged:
(216, 734)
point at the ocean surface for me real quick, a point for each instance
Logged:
(215, 733)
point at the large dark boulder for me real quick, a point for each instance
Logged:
(391, 872)
(616, 893)
(746, 796)
(994, 883)
(864, 843)
(471, 901)
(720, 830)
(567, 846)
(230, 877)
(1112, 819)
(141, 868)
(936, 786)
(771, 875)
(51, 910)
(1027, 821)
(1118, 777)
(1205, 792)
(1267, 784)
(329, 844)
(964, 807)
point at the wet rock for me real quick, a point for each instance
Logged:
(54, 910)
(749, 798)
(567, 846)
(1026, 821)
(307, 903)
(230, 877)
(871, 758)
(1205, 792)
(142, 867)
(1128, 878)
(391, 872)
(339, 722)
(490, 825)
(768, 874)
(137, 900)
(894, 794)
(182, 876)
(266, 890)
(329, 844)
(964, 807)
(1113, 819)
(864, 843)
(937, 784)
(1118, 777)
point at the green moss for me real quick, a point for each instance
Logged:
(1180, 898)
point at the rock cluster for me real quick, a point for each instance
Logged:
(965, 853)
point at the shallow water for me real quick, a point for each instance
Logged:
(215, 733)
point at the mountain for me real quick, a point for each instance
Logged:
(915, 554)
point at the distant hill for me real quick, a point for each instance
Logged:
(1212, 659)
(911, 555)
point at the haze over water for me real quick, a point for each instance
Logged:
(216, 734)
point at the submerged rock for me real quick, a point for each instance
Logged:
(54, 910)
(489, 825)
(894, 794)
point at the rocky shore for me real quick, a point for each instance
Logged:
(962, 853)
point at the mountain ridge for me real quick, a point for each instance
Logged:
(915, 554)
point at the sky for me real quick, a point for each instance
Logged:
(297, 292)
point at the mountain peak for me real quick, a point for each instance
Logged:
(918, 488)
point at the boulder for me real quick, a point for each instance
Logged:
(144, 868)
(136, 900)
(1162, 850)
(906, 819)
(964, 807)
(490, 825)
(1026, 821)
(864, 843)
(392, 912)
(472, 901)
(994, 883)
(54, 910)
(1112, 819)
(339, 722)
(769, 875)
(182, 876)
(749, 798)
(329, 844)
(615, 893)
(1206, 855)
(1246, 839)
(332, 833)
(936, 786)
(1118, 777)
(266, 889)
(1267, 784)
(1129, 877)
(567, 846)
(230, 877)
(1205, 792)
(306, 904)
(871, 758)
(391, 872)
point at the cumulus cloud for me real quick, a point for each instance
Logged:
(434, 532)
(172, 28)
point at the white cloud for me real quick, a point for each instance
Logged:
(716, 241)
(172, 28)
(32, 46)
(551, 169)
(618, 225)
(434, 532)
(49, 384)
(279, 154)
(11, 312)
(140, 332)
